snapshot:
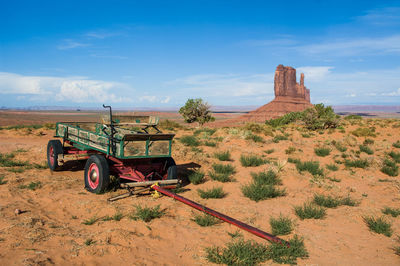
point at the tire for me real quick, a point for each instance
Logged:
(54, 148)
(172, 171)
(97, 174)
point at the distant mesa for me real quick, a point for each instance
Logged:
(290, 96)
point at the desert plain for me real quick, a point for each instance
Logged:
(63, 224)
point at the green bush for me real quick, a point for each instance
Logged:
(320, 117)
(2, 181)
(196, 177)
(310, 211)
(285, 119)
(358, 163)
(396, 144)
(322, 152)
(206, 220)
(326, 201)
(238, 253)
(390, 168)
(257, 192)
(366, 149)
(394, 212)
(379, 225)
(222, 173)
(169, 125)
(269, 151)
(290, 150)
(251, 160)
(395, 156)
(213, 193)
(7, 160)
(278, 138)
(32, 185)
(147, 214)
(191, 141)
(205, 131)
(255, 138)
(310, 166)
(195, 110)
(210, 143)
(368, 142)
(223, 156)
(266, 178)
(288, 255)
(339, 146)
(281, 226)
(364, 132)
(332, 167)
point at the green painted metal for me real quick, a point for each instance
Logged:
(85, 139)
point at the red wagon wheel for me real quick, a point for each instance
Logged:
(54, 148)
(97, 174)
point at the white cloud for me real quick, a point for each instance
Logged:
(388, 16)
(393, 93)
(148, 98)
(166, 99)
(315, 73)
(71, 44)
(72, 89)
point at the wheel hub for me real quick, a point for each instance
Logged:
(93, 175)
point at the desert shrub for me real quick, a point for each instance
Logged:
(306, 135)
(396, 144)
(147, 214)
(255, 138)
(310, 166)
(364, 132)
(191, 141)
(368, 141)
(358, 163)
(366, 149)
(195, 110)
(90, 221)
(322, 152)
(257, 192)
(310, 211)
(285, 119)
(379, 225)
(169, 125)
(254, 127)
(290, 150)
(31, 185)
(326, 201)
(251, 160)
(213, 193)
(395, 156)
(394, 212)
(278, 138)
(281, 226)
(288, 255)
(222, 172)
(269, 151)
(196, 177)
(266, 178)
(205, 131)
(210, 143)
(320, 117)
(339, 146)
(390, 168)
(353, 117)
(293, 160)
(7, 160)
(238, 253)
(116, 217)
(2, 181)
(223, 156)
(206, 220)
(348, 201)
(332, 167)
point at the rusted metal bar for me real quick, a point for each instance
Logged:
(221, 216)
(148, 183)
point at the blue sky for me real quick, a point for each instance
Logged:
(160, 53)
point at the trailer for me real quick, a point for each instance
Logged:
(121, 146)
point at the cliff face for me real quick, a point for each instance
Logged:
(285, 84)
(290, 96)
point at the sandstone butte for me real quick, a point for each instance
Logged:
(290, 96)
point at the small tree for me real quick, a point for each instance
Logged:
(195, 110)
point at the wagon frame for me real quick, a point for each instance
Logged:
(125, 150)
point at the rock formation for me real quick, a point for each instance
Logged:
(290, 96)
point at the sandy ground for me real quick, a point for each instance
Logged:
(51, 230)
